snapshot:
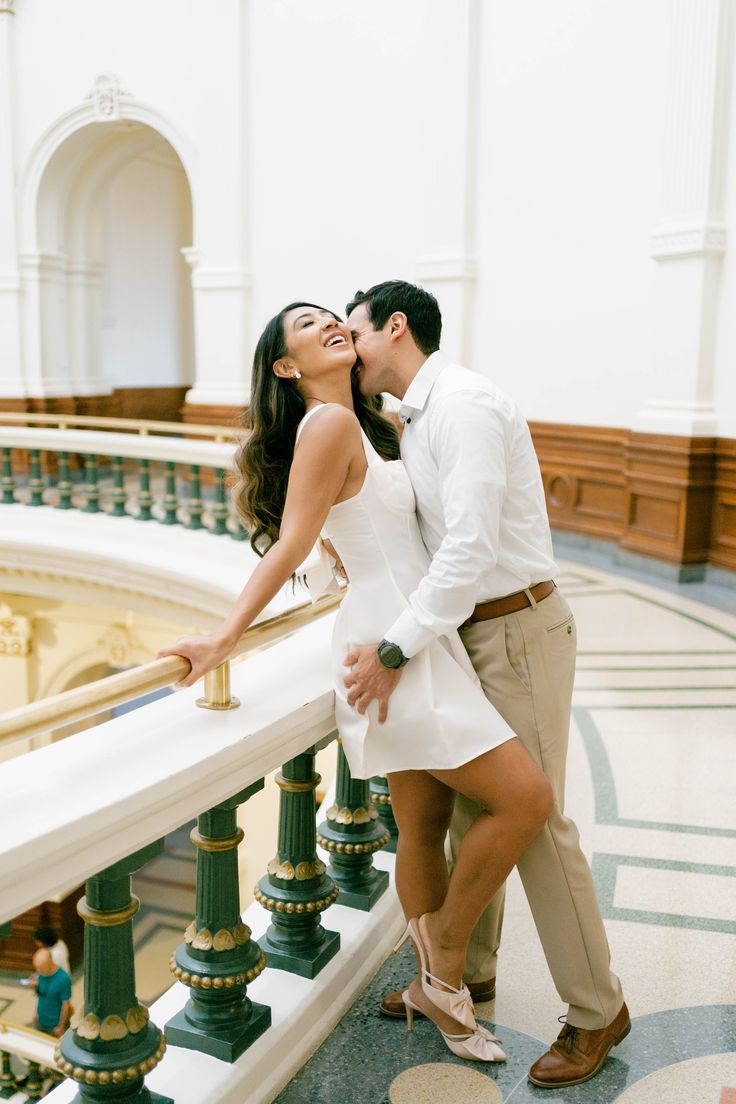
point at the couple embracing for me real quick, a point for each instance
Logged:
(454, 652)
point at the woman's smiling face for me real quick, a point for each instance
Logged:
(317, 341)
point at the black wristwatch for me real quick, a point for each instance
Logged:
(391, 655)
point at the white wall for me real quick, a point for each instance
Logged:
(147, 317)
(512, 156)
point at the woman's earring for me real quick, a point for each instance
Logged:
(297, 375)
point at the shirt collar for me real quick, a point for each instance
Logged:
(420, 387)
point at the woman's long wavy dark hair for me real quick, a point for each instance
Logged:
(276, 407)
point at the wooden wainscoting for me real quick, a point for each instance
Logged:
(671, 498)
(723, 529)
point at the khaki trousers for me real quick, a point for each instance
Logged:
(526, 664)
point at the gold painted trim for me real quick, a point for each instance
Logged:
(199, 981)
(102, 918)
(292, 906)
(353, 848)
(143, 426)
(97, 697)
(291, 785)
(206, 843)
(380, 799)
(115, 1076)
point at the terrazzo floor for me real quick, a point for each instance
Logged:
(652, 769)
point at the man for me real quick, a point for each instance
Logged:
(54, 988)
(47, 937)
(481, 510)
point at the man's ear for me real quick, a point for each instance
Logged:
(397, 325)
(283, 368)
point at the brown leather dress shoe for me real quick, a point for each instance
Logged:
(392, 1004)
(578, 1054)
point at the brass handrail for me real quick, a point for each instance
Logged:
(87, 701)
(141, 425)
(6, 1025)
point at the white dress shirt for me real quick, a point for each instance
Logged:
(480, 499)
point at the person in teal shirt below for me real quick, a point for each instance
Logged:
(54, 988)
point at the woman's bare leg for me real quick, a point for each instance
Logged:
(422, 806)
(517, 799)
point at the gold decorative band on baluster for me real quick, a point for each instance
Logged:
(380, 799)
(353, 848)
(293, 906)
(115, 1076)
(199, 981)
(105, 919)
(206, 843)
(292, 785)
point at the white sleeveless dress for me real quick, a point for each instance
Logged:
(438, 716)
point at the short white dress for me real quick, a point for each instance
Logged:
(438, 716)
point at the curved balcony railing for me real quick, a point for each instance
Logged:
(146, 470)
(34, 1052)
(142, 775)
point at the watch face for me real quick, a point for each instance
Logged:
(390, 655)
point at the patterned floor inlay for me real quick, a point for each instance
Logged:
(451, 1084)
(650, 783)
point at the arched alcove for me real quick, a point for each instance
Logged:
(106, 210)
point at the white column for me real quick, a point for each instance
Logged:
(221, 277)
(447, 263)
(690, 239)
(220, 354)
(12, 385)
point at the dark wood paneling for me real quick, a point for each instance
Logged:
(723, 531)
(16, 952)
(197, 414)
(671, 498)
(159, 404)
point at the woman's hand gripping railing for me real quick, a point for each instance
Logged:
(97, 697)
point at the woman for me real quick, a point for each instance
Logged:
(321, 460)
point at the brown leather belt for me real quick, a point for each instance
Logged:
(512, 603)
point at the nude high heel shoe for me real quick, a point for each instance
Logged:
(477, 1044)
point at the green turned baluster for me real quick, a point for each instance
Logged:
(92, 487)
(296, 888)
(238, 531)
(35, 483)
(8, 480)
(171, 502)
(33, 1084)
(119, 497)
(220, 508)
(351, 833)
(218, 958)
(194, 504)
(7, 1078)
(381, 798)
(112, 1046)
(64, 486)
(145, 498)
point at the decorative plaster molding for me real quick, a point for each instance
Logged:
(9, 281)
(16, 633)
(215, 278)
(671, 416)
(40, 266)
(121, 646)
(445, 269)
(674, 242)
(105, 95)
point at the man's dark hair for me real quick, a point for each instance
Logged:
(420, 307)
(47, 936)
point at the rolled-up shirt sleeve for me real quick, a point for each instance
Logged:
(468, 442)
